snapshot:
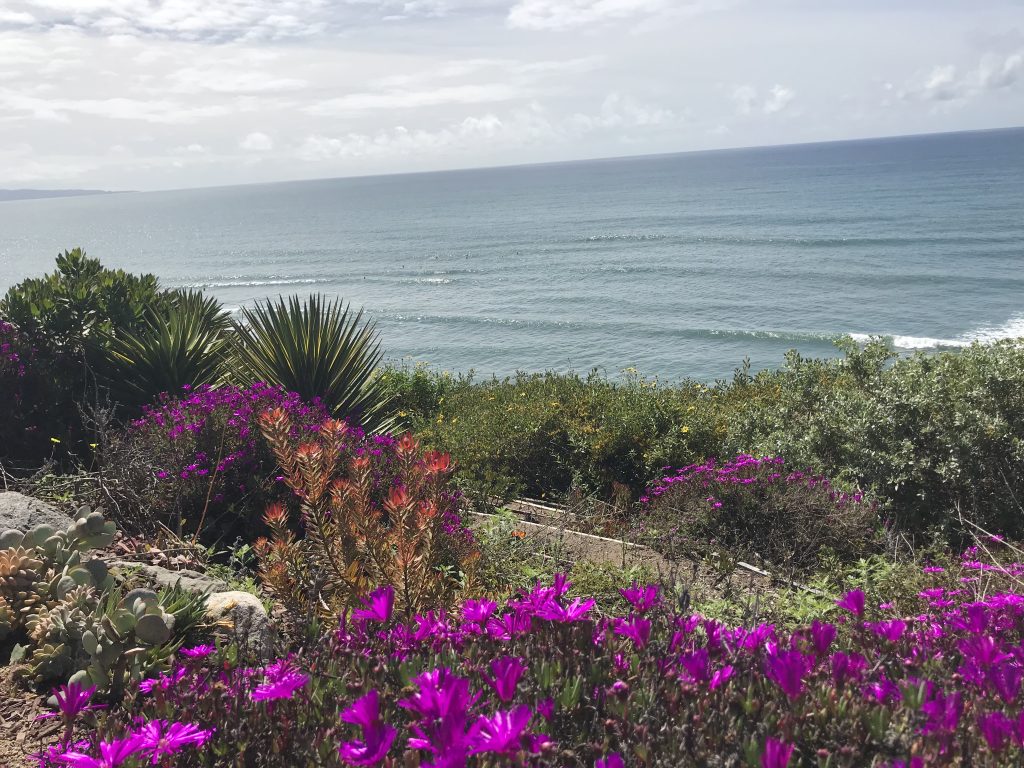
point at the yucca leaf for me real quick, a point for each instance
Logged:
(317, 348)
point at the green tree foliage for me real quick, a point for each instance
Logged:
(70, 309)
(316, 348)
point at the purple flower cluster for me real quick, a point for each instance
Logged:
(11, 362)
(745, 470)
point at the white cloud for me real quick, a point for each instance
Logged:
(566, 14)
(408, 99)
(947, 83)
(256, 142)
(748, 99)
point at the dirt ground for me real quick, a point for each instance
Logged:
(20, 733)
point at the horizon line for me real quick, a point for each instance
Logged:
(509, 166)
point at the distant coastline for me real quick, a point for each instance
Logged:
(7, 195)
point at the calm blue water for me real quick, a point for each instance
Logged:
(677, 265)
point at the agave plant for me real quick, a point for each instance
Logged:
(317, 348)
(183, 341)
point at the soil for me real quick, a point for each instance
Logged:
(20, 733)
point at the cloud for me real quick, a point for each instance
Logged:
(567, 14)
(181, 19)
(618, 115)
(749, 101)
(947, 84)
(256, 142)
(159, 111)
(414, 99)
(194, 80)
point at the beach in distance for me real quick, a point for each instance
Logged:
(676, 265)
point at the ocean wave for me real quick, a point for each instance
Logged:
(613, 237)
(269, 281)
(988, 334)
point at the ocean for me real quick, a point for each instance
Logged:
(675, 265)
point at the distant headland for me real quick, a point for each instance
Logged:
(33, 194)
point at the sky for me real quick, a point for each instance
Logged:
(158, 94)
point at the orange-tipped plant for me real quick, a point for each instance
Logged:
(367, 520)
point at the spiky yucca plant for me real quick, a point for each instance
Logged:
(183, 341)
(317, 348)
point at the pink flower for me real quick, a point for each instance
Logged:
(507, 671)
(853, 601)
(641, 598)
(787, 669)
(776, 754)
(72, 700)
(636, 628)
(112, 754)
(282, 681)
(377, 735)
(163, 738)
(378, 606)
(198, 652)
(613, 760)
(501, 733)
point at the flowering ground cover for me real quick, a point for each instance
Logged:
(544, 680)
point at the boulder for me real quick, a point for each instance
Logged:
(245, 619)
(192, 581)
(20, 513)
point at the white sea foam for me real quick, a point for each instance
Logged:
(1011, 329)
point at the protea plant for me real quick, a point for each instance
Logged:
(317, 348)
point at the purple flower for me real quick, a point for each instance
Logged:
(721, 676)
(507, 671)
(787, 670)
(72, 700)
(853, 601)
(478, 611)
(377, 735)
(822, 636)
(613, 760)
(636, 628)
(641, 598)
(378, 606)
(889, 630)
(501, 733)
(846, 666)
(885, 690)
(996, 728)
(198, 652)
(162, 738)
(776, 754)
(282, 681)
(112, 754)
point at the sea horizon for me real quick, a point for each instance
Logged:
(679, 265)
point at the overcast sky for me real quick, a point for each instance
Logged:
(150, 94)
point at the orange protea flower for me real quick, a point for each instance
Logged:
(309, 451)
(360, 464)
(407, 444)
(427, 509)
(273, 415)
(398, 497)
(334, 428)
(437, 462)
(276, 514)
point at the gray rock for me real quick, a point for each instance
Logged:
(21, 513)
(193, 581)
(245, 620)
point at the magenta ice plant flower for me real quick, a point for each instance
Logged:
(162, 739)
(112, 754)
(776, 754)
(378, 606)
(377, 735)
(506, 673)
(500, 733)
(72, 699)
(853, 601)
(613, 760)
(282, 681)
(641, 598)
(198, 651)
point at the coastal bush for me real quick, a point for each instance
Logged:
(33, 399)
(933, 437)
(367, 518)
(196, 462)
(182, 341)
(319, 350)
(544, 680)
(757, 508)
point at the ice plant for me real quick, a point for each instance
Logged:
(506, 673)
(377, 736)
(853, 601)
(112, 754)
(162, 739)
(377, 607)
(776, 754)
(282, 681)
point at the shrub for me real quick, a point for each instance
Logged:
(196, 462)
(542, 680)
(318, 350)
(366, 520)
(756, 508)
(182, 342)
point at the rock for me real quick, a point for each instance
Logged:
(192, 581)
(21, 513)
(247, 620)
